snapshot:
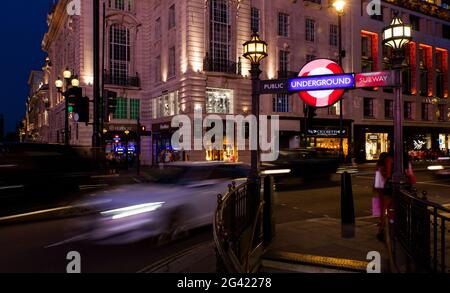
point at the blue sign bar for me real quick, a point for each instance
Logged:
(322, 82)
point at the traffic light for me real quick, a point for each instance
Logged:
(83, 110)
(74, 95)
(110, 103)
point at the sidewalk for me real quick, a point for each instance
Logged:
(322, 238)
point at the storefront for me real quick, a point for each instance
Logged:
(326, 134)
(421, 143)
(162, 150)
(227, 154)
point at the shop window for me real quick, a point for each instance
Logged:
(368, 108)
(219, 101)
(376, 144)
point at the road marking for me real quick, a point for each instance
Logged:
(11, 187)
(35, 213)
(433, 184)
(85, 187)
(70, 240)
(105, 176)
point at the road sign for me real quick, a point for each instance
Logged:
(321, 98)
(322, 82)
(375, 79)
(275, 86)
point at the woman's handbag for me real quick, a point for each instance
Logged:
(380, 182)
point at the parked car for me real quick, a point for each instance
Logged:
(179, 198)
(305, 165)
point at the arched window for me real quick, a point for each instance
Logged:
(119, 53)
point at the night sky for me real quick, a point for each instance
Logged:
(22, 27)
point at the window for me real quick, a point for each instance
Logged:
(310, 58)
(446, 31)
(408, 111)
(158, 76)
(119, 53)
(172, 16)
(333, 35)
(415, 22)
(166, 106)
(219, 101)
(284, 61)
(425, 111)
(120, 4)
(283, 24)
(220, 33)
(389, 109)
(172, 62)
(368, 108)
(158, 29)
(440, 113)
(255, 19)
(423, 72)
(310, 30)
(122, 109)
(135, 109)
(280, 103)
(440, 73)
(366, 54)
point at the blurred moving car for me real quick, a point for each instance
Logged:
(43, 168)
(181, 197)
(441, 167)
(305, 165)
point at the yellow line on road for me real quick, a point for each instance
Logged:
(35, 213)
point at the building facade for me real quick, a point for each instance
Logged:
(166, 58)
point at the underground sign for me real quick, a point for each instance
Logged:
(322, 83)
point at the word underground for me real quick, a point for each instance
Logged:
(214, 138)
(314, 83)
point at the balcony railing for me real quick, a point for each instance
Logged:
(222, 65)
(127, 81)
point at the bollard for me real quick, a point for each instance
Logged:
(268, 217)
(347, 206)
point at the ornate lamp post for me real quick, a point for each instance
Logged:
(70, 81)
(397, 35)
(339, 6)
(255, 50)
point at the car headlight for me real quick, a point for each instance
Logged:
(133, 210)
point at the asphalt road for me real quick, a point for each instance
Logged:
(43, 246)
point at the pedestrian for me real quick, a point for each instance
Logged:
(409, 171)
(383, 188)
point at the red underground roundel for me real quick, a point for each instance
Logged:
(321, 98)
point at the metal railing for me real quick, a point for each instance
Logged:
(238, 229)
(422, 228)
(128, 81)
(222, 65)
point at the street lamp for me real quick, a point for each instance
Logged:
(255, 50)
(339, 6)
(397, 35)
(60, 85)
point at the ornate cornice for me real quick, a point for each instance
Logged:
(422, 7)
